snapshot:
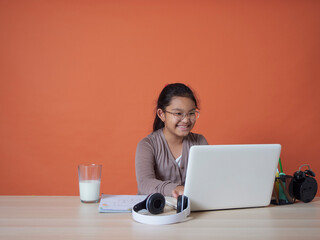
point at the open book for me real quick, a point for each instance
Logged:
(119, 203)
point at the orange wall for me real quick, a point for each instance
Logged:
(79, 81)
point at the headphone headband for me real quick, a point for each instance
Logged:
(160, 220)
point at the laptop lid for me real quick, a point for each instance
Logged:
(231, 176)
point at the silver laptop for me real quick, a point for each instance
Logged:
(231, 176)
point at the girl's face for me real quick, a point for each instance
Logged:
(178, 117)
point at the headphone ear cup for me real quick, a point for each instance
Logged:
(182, 203)
(156, 203)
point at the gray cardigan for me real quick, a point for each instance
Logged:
(156, 168)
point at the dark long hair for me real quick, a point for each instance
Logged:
(170, 91)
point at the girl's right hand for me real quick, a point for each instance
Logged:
(177, 191)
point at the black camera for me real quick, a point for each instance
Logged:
(303, 185)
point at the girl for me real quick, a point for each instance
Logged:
(162, 157)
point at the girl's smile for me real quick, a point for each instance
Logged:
(184, 127)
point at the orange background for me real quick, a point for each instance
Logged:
(80, 80)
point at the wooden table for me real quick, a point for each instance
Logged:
(51, 217)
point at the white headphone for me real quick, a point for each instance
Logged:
(155, 204)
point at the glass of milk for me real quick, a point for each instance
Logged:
(89, 182)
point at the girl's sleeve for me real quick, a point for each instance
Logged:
(202, 140)
(145, 171)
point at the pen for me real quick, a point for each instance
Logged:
(281, 170)
(277, 182)
(282, 186)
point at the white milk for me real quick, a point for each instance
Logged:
(89, 190)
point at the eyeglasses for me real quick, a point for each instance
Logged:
(193, 115)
